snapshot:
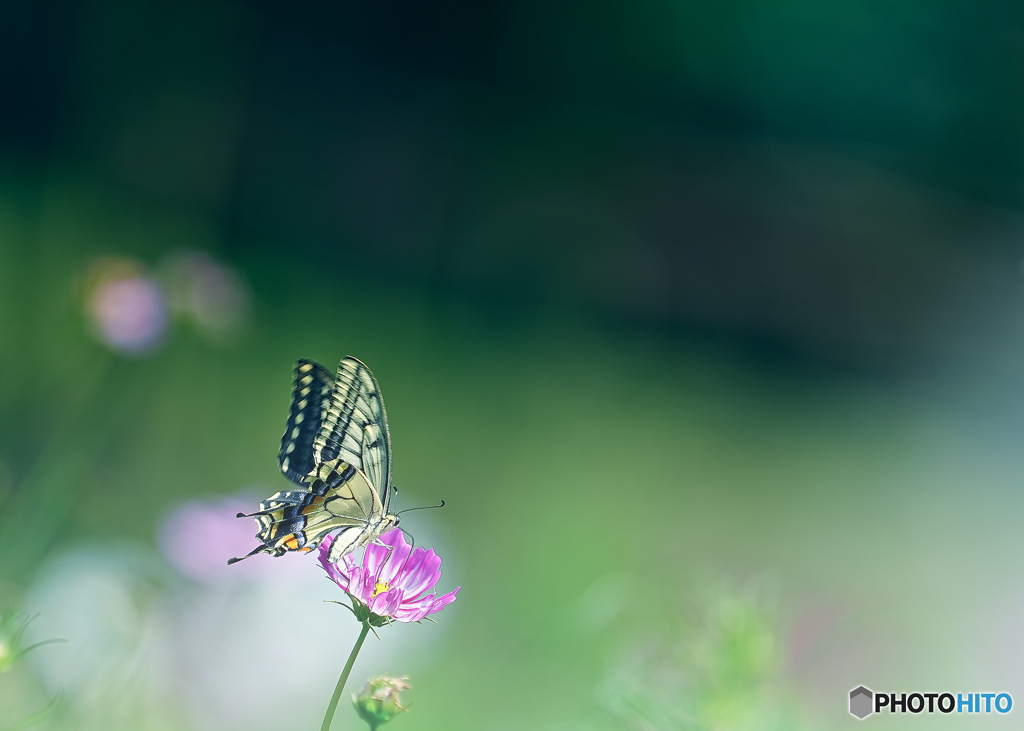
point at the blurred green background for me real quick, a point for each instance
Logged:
(705, 319)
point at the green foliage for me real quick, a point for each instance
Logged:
(720, 671)
(39, 716)
(13, 625)
(12, 632)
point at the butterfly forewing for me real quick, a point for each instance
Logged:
(355, 427)
(311, 390)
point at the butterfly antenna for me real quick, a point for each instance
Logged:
(253, 552)
(412, 538)
(424, 507)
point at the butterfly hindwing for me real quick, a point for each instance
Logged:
(355, 427)
(339, 497)
(344, 542)
(312, 386)
(355, 499)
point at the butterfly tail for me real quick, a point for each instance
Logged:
(253, 552)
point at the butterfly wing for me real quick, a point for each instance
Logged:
(312, 386)
(355, 428)
(339, 496)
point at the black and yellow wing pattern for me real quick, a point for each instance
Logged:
(355, 428)
(337, 449)
(311, 395)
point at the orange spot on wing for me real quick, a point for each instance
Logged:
(291, 543)
(314, 506)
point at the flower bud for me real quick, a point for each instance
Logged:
(378, 701)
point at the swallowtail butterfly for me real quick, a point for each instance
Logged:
(337, 450)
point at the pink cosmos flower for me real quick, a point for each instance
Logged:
(393, 580)
(197, 535)
(128, 308)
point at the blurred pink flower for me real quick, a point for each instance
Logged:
(196, 537)
(393, 580)
(209, 292)
(128, 308)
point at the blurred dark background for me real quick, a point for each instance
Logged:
(839, 180)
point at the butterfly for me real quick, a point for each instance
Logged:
(337, 450)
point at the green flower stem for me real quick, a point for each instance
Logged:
(344, 678)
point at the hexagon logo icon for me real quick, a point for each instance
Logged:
(861, 702)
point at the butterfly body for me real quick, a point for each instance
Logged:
(337, 450)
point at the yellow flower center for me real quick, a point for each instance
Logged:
(380, 588)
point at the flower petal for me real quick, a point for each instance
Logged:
(374, 556)
(369, 585)
(412, 563)
(341, 577)
(406, 614)
(333, 571)
(386, 602)
(361, 586)
(395, 602)
(414, 611)
(342, 569)
(378, 551)
(392, 561)
(395, 564)
(443, 601)
(413, 567)
(424, 576)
